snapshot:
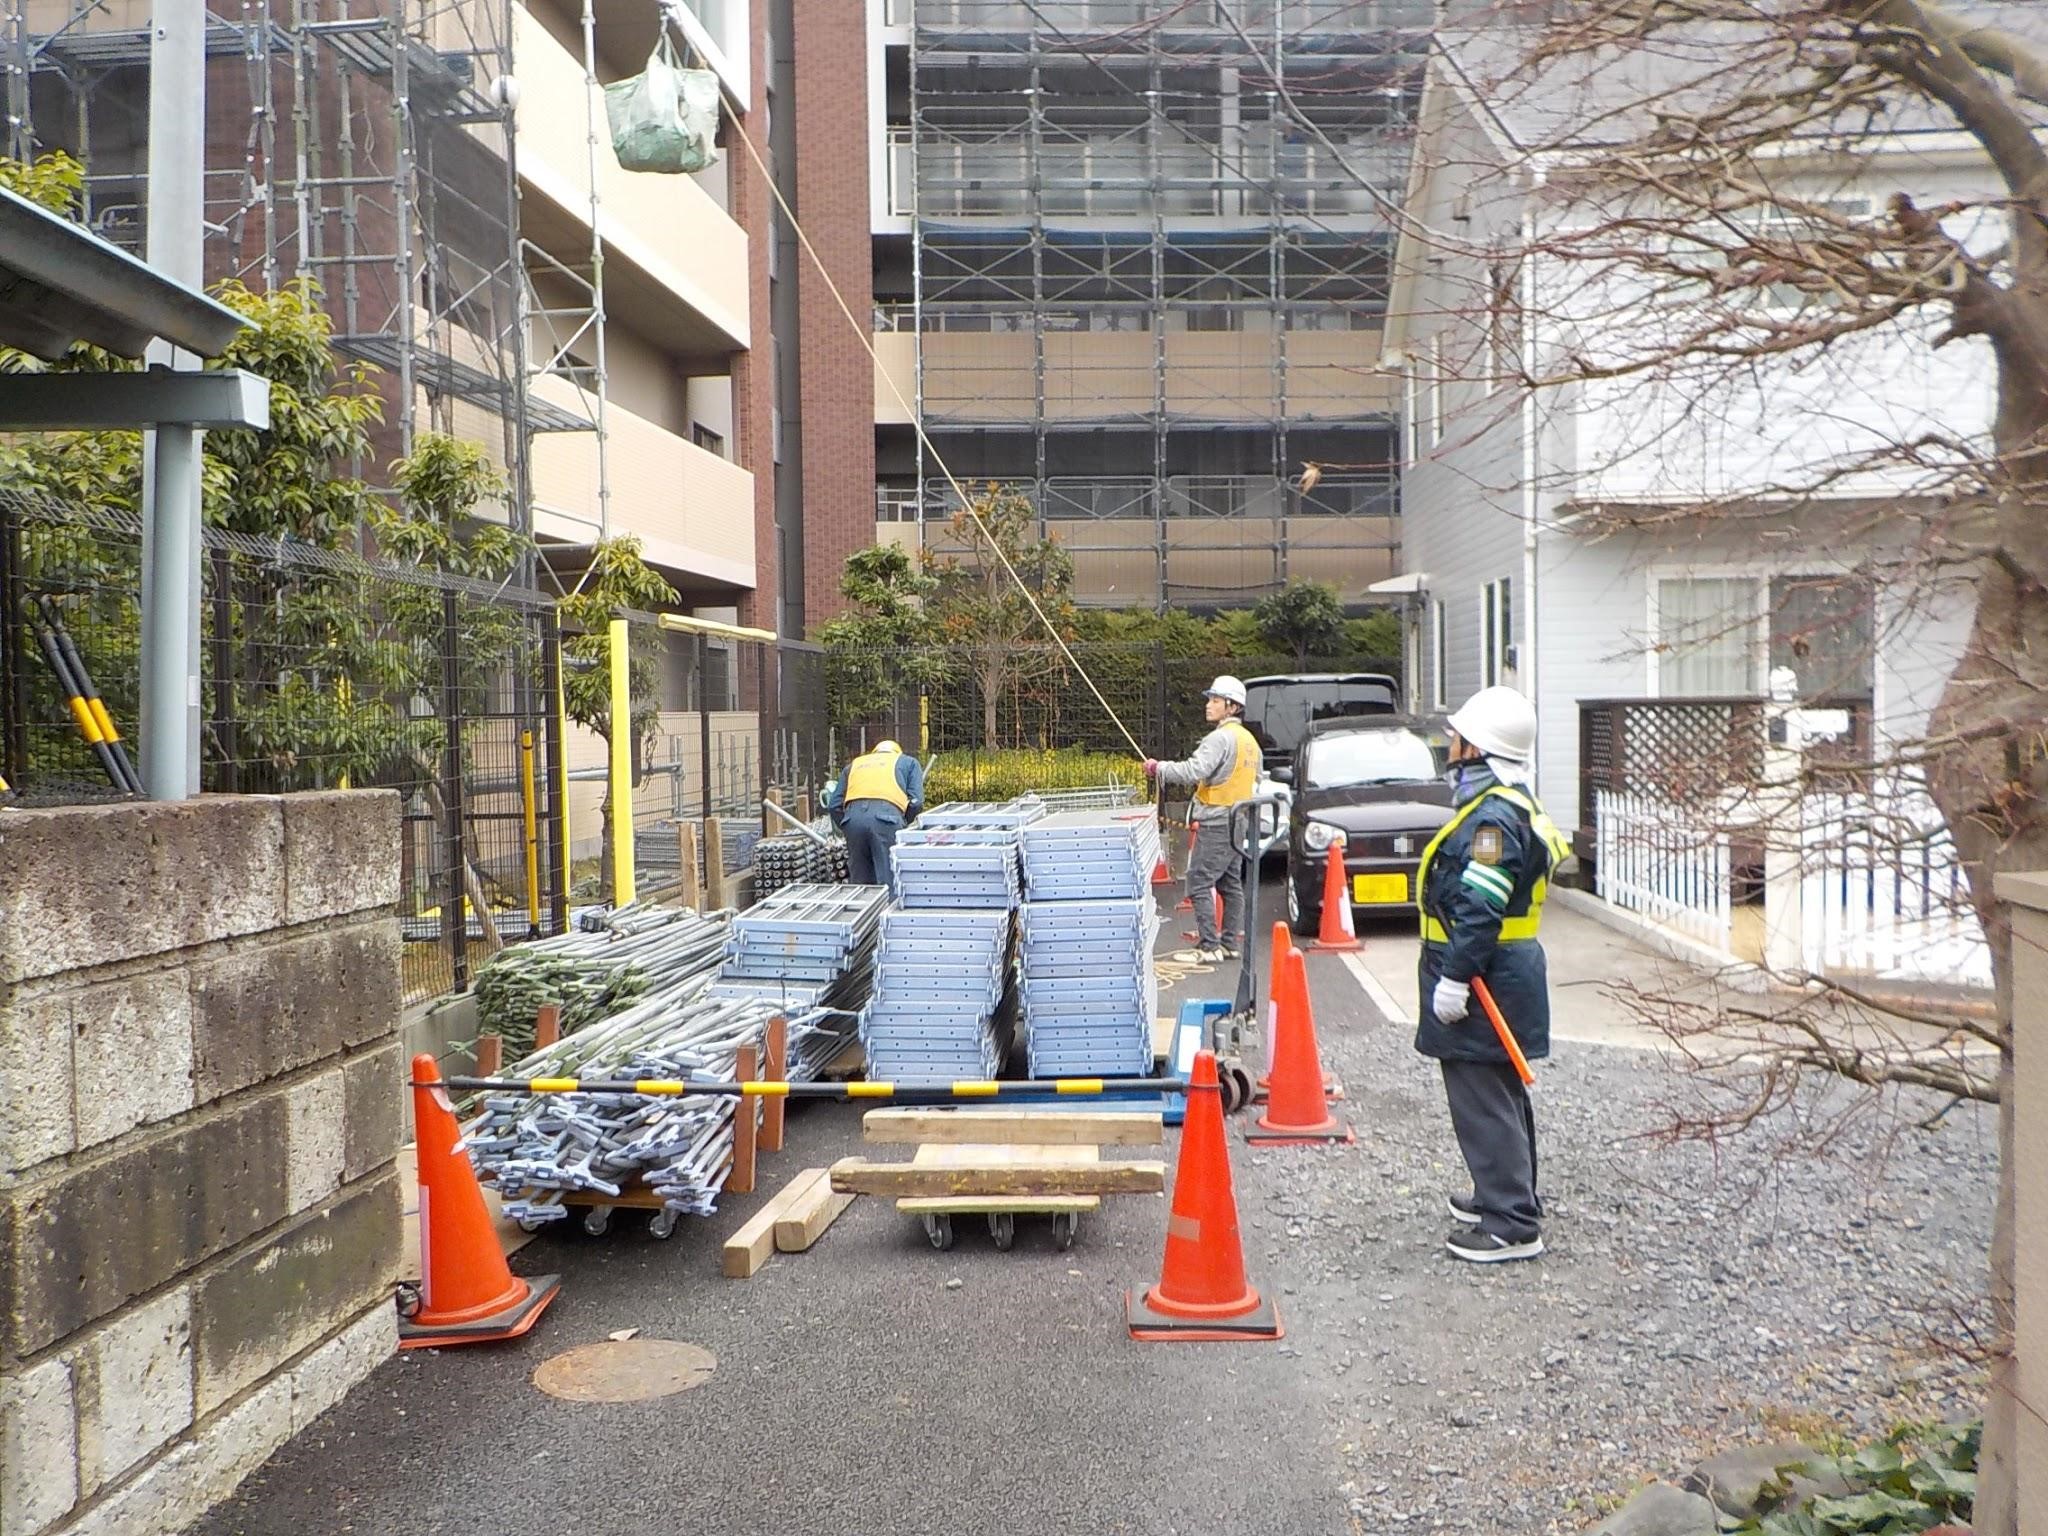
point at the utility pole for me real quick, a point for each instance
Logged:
(170, 470)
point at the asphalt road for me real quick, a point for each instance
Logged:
(855, 1394)
(1688, 1298)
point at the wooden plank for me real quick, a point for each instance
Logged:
(490, 1054)
(714, 865)
(1046, 1127)
(858, 1176)
(807, 1217)
(746, 1123)
(777, 1069)
(748, 1249)
(686, 852)
(547, 1024)
(939, 1154)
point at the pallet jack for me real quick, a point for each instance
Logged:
(1228, 1026)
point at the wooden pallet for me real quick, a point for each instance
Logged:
(1003, 1163)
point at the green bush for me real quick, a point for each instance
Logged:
(1005, 775)
(1918, 1477)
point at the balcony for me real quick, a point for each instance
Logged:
(675, 249)
(1110, 376)
(692, 510)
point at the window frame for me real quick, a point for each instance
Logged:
(1762, 608)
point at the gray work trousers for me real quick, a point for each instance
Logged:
(1216, 866)
(1495, 1121)
(871, 827)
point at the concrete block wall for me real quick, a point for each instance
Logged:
(200, 1093)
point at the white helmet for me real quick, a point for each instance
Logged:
(1226, 687)
(888, 747)
(1499, 722)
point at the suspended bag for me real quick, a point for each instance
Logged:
(666, 118)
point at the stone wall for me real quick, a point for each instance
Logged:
(199, 1115)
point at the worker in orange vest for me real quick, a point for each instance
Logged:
(1225, 773)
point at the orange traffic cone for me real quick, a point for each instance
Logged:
(468, 1295)
(1202, 1292)
(1338, 931)
(1283, 946)
(1297, 1111)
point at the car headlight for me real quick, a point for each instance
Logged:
(1318, 835)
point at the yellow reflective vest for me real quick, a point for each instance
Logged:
(1243, 780)
(873, 777)
(1522, 925)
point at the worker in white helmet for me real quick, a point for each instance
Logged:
(879, 794)
(1224, 772)
(1481, 887)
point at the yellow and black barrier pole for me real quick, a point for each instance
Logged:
(530, 804)
(88, 710)
(1032, 1088)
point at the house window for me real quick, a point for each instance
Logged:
(1496, 634)
(1720, 636)
(708, 440)
(1440, 656)
(1825, 629)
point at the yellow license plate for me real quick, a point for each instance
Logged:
(1378, 890)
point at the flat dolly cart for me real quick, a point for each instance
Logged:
(1004, 1163)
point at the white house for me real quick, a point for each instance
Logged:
(1552, 537)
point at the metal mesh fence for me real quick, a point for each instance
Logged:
(319, 670)
(1034, 699)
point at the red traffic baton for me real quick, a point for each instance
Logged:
(1507, 1037)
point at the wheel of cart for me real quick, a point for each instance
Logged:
(938, 1230)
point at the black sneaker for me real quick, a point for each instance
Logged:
(1476, 1246)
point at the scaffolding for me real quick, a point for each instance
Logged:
(371, 148)
(1147, 238)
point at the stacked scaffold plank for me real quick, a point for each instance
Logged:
(939, 1012)
(962, 857)
(1089, 922)
(806, 946)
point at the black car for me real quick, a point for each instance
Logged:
(1278, 711)
(1378, 783)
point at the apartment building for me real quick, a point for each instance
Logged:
(443, 169)
(1130, 257)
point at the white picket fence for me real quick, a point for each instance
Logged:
(1882, 893)
(1664, 862)
(1879, 888)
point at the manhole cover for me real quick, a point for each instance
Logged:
(625, 1371)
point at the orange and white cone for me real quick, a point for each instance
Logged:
(468, 1294)
(1297, 1106)
(1338, 931)
(1202, 1292)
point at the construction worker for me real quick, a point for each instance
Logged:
(1225, 773)
(1481, 887)
(877, 796)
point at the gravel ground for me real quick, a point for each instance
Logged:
(1692, 1296)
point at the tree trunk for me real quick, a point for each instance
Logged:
(1989, 791)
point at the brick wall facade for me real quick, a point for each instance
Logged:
(199, 1205)
(753, 386)
(838, 375)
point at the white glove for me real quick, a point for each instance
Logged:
(1451, 1001)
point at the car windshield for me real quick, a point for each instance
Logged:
(1348, 759)
(1280, 712)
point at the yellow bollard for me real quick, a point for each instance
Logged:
(622, 766)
